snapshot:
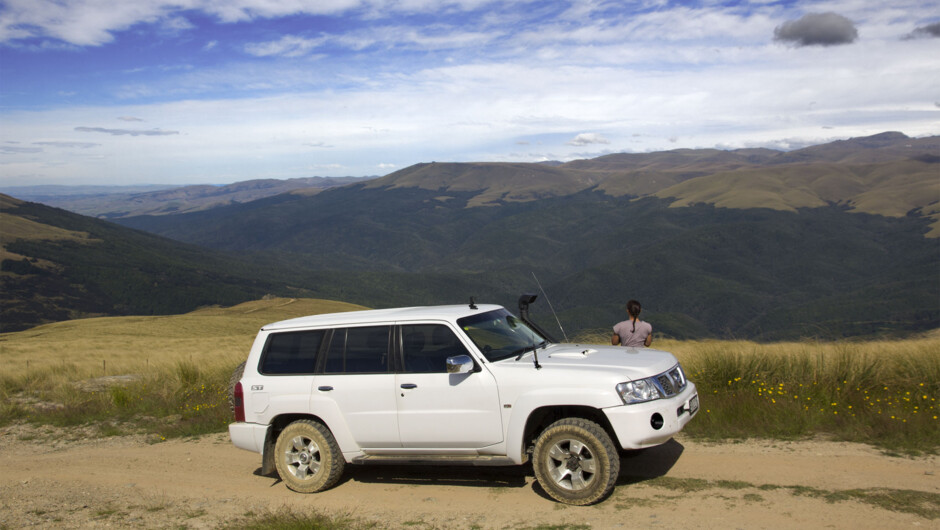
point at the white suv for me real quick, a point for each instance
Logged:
(469, 384)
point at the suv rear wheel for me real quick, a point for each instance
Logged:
(307, 457)
(576, 462)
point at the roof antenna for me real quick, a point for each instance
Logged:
(550, 306)
(472, 305)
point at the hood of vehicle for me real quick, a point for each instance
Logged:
(633, 362)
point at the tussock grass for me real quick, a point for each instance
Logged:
(882, 392)
(177, 368)
(115, 345)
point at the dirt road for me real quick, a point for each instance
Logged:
(47, 480)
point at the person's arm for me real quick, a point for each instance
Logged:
(615, 340)
(648, 341)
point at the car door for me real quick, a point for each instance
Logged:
(355, 378)
(437, 410)
(285, 374)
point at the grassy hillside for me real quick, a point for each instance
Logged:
(490, 184)
(893, 189)
(167, 376)
(56, 265)
(118, 345)
(886, 174)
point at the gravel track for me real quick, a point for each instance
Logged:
(68, 479)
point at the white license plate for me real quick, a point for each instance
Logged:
(693, 404)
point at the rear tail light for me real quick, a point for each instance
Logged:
(238, 398)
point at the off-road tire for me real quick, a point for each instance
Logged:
(307, 457)
(232, 381)
(576, 462)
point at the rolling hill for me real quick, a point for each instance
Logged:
(56, 265)
(827, 242)
(887, 174)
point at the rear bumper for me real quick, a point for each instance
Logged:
(248, 436)
(635, 425)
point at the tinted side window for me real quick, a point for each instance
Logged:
(426, 347)
(291, 353)
(358, 351)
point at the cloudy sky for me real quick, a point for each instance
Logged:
(217, 91)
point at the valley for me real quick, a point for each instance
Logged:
(835, 240)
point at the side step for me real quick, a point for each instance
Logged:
(440, 460)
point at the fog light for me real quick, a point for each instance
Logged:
(656, 421)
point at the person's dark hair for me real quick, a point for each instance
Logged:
(633, 309)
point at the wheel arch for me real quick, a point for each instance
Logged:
(277, 425)
(540, 418)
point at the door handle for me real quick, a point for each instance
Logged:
(409, 385)
(324, 388)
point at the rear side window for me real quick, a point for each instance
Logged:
(291, 353)
(358, 351)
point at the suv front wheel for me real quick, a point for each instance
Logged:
(307, 457)
(575, 461)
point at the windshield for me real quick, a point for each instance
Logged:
(499, 334)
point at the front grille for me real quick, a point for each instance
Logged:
(665, 382)
(671, 382)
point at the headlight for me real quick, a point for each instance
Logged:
(638, 391)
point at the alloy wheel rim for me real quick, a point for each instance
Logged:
(302, 457)
(571, 464)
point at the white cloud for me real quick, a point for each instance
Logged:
(126, 132)
(16, 149)
(665, 78)
(286, 46)
(588, 138)
(94, 22)
(67, 145)
(82, 22)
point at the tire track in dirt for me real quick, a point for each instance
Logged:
(48, 481)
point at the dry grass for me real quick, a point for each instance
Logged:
(117, 345)
(882, 392)
(166, 376)
(15, 227)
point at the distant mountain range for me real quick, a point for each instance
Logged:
(840, 239)
(110, 202)
(887, 174)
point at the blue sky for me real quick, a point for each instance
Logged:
(217, 91)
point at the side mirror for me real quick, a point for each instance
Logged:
(459, 364)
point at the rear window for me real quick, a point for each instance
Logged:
(291, 353)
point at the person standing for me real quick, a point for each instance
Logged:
(633, 332)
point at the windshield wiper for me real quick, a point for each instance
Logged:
(535, 354)
(525, 349)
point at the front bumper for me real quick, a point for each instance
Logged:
(643, 425)
(248, 436)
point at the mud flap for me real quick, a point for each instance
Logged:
(267, 453)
